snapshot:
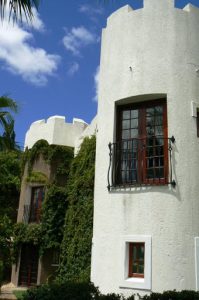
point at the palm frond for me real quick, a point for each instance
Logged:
(8, 103)
(19, 7)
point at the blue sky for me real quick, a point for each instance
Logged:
(50, 68)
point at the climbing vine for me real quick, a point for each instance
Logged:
(53, 215)
(56, 156)
(25, 233)
(76, 245)
(49, 233)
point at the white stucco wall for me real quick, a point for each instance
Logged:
(161, 45)
(90, 130)
(55, 130)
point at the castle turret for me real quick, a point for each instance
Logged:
(146, 214)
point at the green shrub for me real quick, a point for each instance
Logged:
(111, 297)
(66, 291)
(173, 295)
(19, 294)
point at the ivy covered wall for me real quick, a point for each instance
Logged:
(76, 244)
(67, 210)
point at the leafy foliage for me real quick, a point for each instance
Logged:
(6, 228)
(37, 177)
(53, 215)
(76, 245)
(68, 291)
(57, 157)
(9, 183)
(49, 233)
(25, 233)
(87, 291)
(7, 137)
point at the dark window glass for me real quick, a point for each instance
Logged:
(136, 259)
(37, 198)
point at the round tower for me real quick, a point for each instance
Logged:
(146, 205)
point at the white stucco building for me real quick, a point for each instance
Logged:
(55, 130)
(146, 223)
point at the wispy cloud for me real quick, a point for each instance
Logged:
(36, 23)
(74, 68)
(77, 38)
(96, 83)
(91, 11)
(19, 57)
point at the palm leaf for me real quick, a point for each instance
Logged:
(8, 103)
(18, 7)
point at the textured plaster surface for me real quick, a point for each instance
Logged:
(55, 131)
(149, 53)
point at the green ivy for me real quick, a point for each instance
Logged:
(76, 245)
(25, 234)
(53, 214)
(49, 233)
(9, 183)
(37, 177)
(56, 156)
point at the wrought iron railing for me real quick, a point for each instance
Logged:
(32, 214)
(141, 161)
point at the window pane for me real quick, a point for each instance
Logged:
(125, 134)
(126, 124)
(134, 133)
(158, 130)
(150, 131)
(134, 123)
(150, 111)
(141, 268)
(159, 172)
(126, 114)
(150, 121)
(158, 120)
(134, 251)
(150, 173)
(158, 109)
(134, 113)
(135, 267)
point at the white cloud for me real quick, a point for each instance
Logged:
(19, 57)
(73, 69)
(91, 11)
(77, 38)
(36, 23)
(96, 83)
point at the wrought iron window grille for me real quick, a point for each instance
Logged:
(140, 162)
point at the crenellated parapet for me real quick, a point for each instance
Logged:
(55, 130)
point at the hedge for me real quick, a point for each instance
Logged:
(87, 291)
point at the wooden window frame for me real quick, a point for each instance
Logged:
(130, 272)
(35, 213)
(142, 168)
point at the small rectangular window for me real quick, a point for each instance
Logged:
(37, 197)
(136, 259)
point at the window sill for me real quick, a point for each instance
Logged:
(135, 283)
(135, 279)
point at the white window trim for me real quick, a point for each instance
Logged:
(130, 282)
